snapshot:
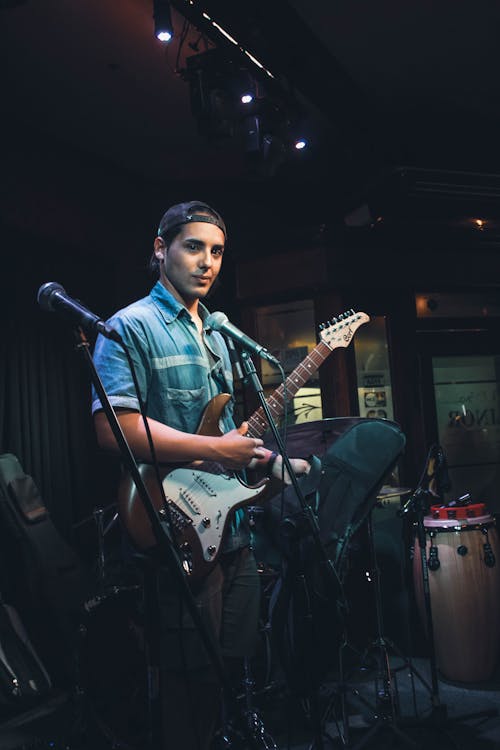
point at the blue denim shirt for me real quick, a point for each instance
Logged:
(176, 376)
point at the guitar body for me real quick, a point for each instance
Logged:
(201, 498)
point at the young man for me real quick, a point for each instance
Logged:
(181, 365)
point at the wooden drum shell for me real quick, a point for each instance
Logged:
(465, 597)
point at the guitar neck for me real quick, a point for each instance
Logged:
(257, 423)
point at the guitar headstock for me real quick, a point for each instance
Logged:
(340, 330)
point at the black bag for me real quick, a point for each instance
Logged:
(23, 677)
(308, 605)
(40, 573)
(353, 471)
(342, 489)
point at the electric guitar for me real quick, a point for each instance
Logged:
(201, 496)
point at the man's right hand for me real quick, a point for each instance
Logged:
(236, 450)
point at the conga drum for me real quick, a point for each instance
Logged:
(463, 554)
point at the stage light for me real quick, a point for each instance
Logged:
(300, 143)
(164, 30)
(228, 101)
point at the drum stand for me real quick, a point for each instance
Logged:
(386, 708)
(247, 729)
(86, 714)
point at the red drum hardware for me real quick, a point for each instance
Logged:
(463, 559)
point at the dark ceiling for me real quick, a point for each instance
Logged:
(398, 98)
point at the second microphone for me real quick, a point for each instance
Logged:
(220, 322)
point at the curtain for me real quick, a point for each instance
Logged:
(45, 417)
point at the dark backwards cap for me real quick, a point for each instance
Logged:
(184, 213)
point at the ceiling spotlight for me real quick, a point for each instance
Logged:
(246, 98)
(164, 29)
(300, 143)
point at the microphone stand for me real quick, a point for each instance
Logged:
(167, 553)
(251, 377)
(419, 503)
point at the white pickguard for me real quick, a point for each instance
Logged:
(207, 499)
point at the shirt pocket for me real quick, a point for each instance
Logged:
(185, 406)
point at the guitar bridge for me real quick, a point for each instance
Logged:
(179, 519)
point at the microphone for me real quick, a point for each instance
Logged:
(52, 297)
(219, 322)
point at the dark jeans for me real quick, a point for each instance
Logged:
(229, 602)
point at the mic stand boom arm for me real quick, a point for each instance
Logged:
(162, 534)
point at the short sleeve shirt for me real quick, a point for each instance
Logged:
(177, 372)
(177, 375)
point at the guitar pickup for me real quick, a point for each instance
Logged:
(200, 479)
(187, 498)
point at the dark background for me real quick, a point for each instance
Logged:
(401, 105)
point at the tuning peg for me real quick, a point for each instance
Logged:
(322, 326)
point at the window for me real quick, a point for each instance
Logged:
(288, 331)
(372, 370)
(466, 391)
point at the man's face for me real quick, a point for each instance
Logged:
(190, 265)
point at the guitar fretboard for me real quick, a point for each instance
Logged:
(257, 423)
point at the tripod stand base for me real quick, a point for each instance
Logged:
(420, 715)
(433, 733)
